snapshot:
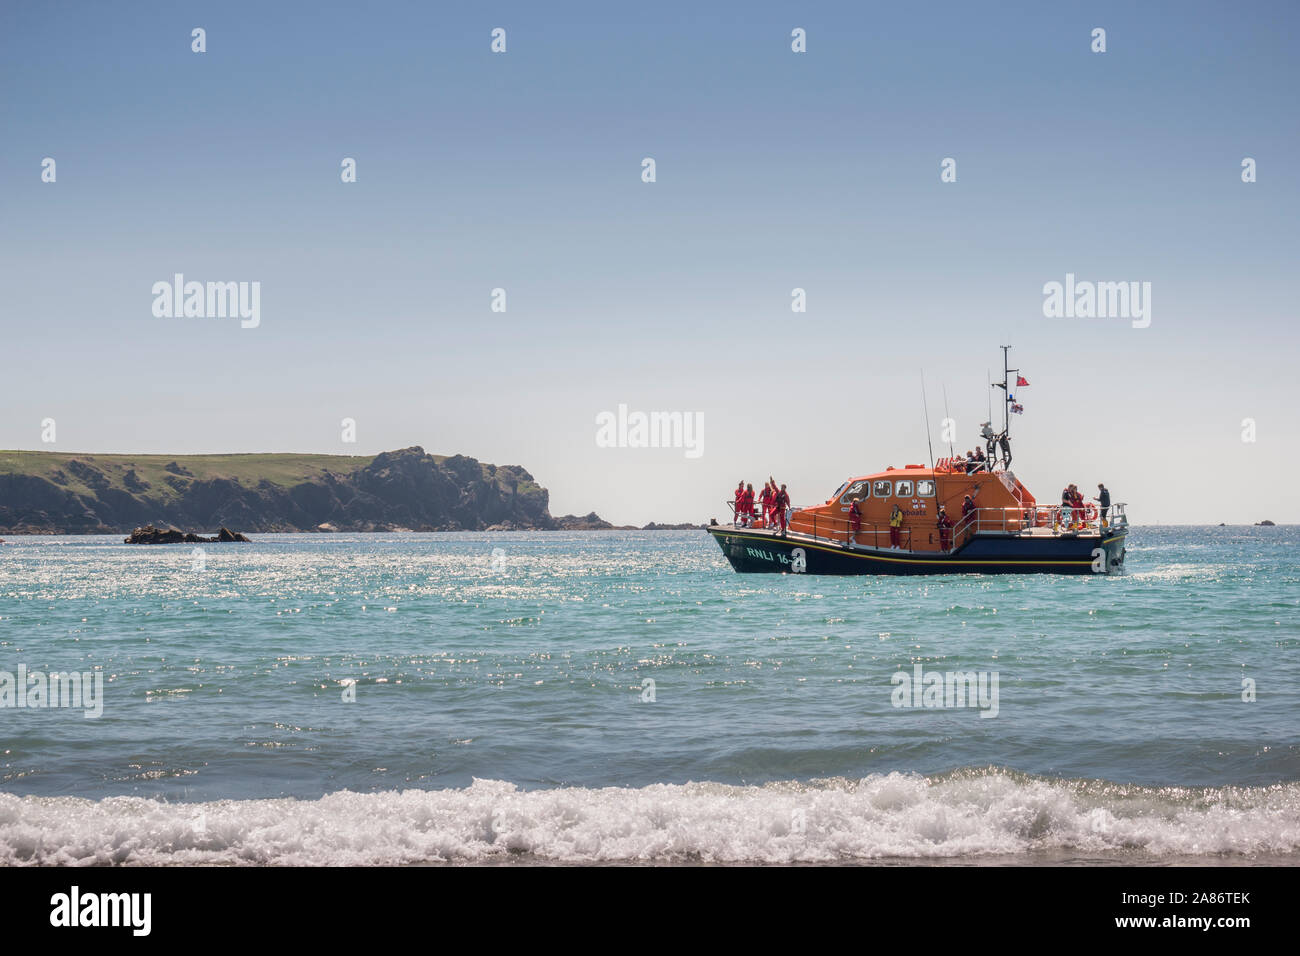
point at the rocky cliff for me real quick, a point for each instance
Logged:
(53, 493)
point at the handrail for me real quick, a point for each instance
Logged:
(960, 465)
(1010, 520)
(966, 525)
(839, 530)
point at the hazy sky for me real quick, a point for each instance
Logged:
(775, 170)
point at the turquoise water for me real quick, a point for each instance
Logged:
(501, 705)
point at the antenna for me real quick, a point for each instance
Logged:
(926, 405)
(951, 453)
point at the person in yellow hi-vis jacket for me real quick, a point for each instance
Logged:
(895, 526)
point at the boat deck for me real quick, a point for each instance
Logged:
(1036, 533)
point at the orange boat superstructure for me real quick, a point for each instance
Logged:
(1001, 502)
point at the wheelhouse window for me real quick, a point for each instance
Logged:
(904, 489)
(881, 489)
(854, 490)
(925, 488)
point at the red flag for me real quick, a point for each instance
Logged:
(1021, 381)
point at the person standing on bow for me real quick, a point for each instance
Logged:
(747, 505)
(781, 507)
(1103, 499)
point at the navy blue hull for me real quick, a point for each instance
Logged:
(765, 551)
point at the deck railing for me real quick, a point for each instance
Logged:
(1001, 521)
(834, 529)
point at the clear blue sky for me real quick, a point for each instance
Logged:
(775, 170)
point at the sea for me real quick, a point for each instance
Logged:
(626, 698)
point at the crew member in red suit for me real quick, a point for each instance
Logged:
(780, 505)
(766, 500)
(740, 497)
(747, 505)
(855, 521)
(945, 529)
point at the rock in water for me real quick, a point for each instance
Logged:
(151, 535)
(589, 522)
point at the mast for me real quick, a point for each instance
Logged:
(1006, 392)
(1006, 389)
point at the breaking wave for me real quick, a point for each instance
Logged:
(901, 816)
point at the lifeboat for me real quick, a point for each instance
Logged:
(898, 527)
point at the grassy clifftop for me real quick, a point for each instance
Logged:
(69, 469)
(61, 492)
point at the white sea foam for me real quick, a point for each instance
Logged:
(893, 816)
